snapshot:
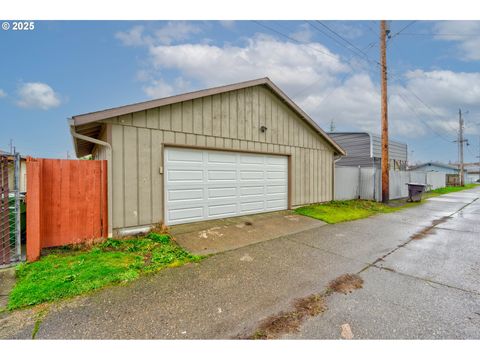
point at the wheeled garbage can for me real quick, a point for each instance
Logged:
(415, 191)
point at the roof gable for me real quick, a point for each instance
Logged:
(84, 119)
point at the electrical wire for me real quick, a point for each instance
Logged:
(403, 98)
(341, 37)
(396, 78)
(401, 30)
(438, 34)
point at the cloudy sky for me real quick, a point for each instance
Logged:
(329, 68)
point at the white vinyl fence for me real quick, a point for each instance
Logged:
(365, 183)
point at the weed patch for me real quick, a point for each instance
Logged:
(346, 283)
(67, 274)
(339, 211)
(450, 189)
(290, 321)
(336, 211)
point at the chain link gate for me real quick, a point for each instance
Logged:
(10, 226)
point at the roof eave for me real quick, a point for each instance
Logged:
(83, 119)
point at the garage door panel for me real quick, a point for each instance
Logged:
(220, 184)
(252, 206)
(276, 175)
(221, 158)
(185, 215)
(277, 189)
(184, 175)
(276, 160)
(222, 209)
(252, 159)
(184, 155)
(215, 175)
(221, 192)
(252, 190)
(185, 194)
(276, 204)
(252, 175)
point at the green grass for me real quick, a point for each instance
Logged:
(68, 273)
(450, 189)
(339, 211)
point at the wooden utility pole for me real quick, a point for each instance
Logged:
(383, 61)
(460, 143)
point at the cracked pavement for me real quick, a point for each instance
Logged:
(420, 266)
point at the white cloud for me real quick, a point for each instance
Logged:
(292, 66)
(2, 93)
(303, 34)
(171, 32)
(160, 88)
(346, 30)
(132, 37)
(464, 33)
(37, 95)
(319, 81)
(228, 24)
(175, 31)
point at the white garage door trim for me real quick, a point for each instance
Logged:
(202, 184)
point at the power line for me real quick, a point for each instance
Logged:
(438, 34)
(348, 42)
(402, 29)
(367, 48)
(334, 39)
(403, 98)
(394, 77)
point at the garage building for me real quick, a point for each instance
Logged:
(227, 151)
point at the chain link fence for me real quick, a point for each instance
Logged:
(11, 208)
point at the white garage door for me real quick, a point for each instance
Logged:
(205, 184)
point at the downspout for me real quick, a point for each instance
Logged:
(109, 169)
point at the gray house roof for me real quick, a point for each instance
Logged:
(433, 163)
(362, 147)
(87, 124)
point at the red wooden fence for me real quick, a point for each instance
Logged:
(66, 203)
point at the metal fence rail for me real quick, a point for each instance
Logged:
(10, 228)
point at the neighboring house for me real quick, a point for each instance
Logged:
(23, 172)
(365, 149)
(238, 149)
(472, 176)
(436, 167)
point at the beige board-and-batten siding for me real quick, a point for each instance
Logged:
(227, 121)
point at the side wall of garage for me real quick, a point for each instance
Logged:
(231, 120)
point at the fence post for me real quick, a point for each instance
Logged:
(359, 181)
(33, 209)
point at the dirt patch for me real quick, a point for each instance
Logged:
(429, 229)
(312, 305)
(147, 259)
(288, 322)
(346, 283)
(440, 221)
(422, 233)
